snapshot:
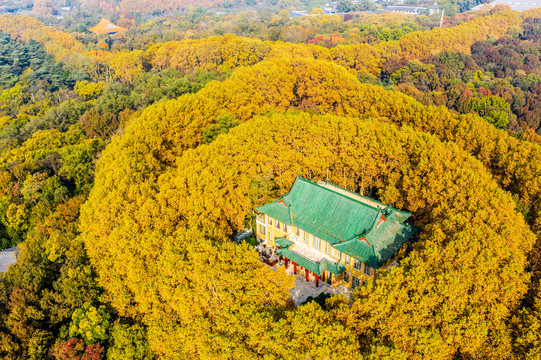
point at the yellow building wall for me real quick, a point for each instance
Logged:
(272, 233)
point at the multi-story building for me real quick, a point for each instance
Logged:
(331, 234)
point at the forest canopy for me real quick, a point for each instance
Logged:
(254, 154)
(129, 161)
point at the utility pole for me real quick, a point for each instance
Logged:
(441, 20)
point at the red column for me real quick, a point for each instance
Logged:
(317, 280)
(323, 277)
(295, 268)
(307, 272)
(286, 263)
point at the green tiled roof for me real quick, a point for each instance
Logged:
(324, 213)
(341, 217)
(360, 250)
(388, 238)
(283, 242)
(316, 268)
(376, 247)
(336, 268)
(278, 209)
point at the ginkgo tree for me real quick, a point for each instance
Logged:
(470, 259)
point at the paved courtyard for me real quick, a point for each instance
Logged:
(304, 289)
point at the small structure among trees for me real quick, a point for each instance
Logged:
(106, 27)
(333, 234)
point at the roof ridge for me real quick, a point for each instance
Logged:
(374, 224)
(290, 207)
(337, 193)
(356, 193)
(387, 206)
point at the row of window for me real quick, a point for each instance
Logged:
(278, 225)
(357, 266)
(354, 280)
(317, 245)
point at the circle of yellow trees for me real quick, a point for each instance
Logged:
(157, 221)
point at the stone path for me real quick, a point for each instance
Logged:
(304, 289)
(7, 258)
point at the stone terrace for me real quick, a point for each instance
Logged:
(304, 289)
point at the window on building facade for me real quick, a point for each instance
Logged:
(346, 277)
(278, 225)
(354, 282)
(357, 265)
(297, 231)
(306, 237)
(285, 228)
(367, 269)
(270, 221)
(347, 260)
(328, 249)
(262, 229)
(316, 242)
(338, 254)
